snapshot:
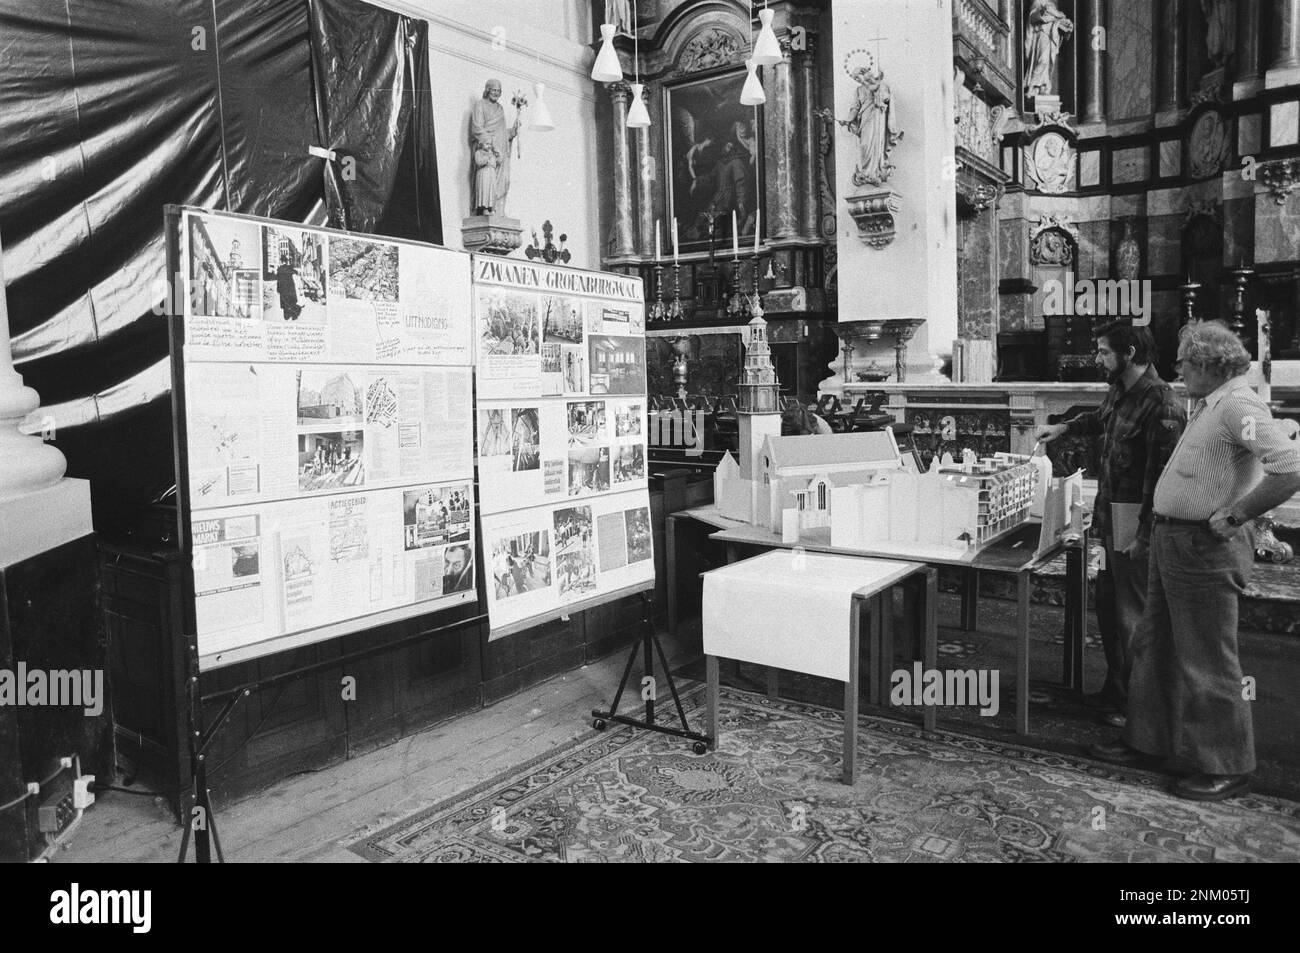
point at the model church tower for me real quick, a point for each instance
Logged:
(760, 416)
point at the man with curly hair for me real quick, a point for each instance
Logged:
(1186, 701)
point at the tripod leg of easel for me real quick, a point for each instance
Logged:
(672, 683)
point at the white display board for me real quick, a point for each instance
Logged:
(327, 452)
(563, 491)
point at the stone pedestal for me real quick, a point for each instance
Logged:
(493, 234)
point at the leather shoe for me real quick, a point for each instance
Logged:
(1116, 719)
(1118, 752)
(1212, 787)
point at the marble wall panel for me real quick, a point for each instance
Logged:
(1284, 121)
(1131, 63)
(1164, 244)
(1130, 165)
(1277, 228)
(1094, 250)
(1171, 157)
(977, 282)
(1089, 169)
(1013, 234)
(1238, 231)
(1248, 133)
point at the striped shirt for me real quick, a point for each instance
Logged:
(1230, 442)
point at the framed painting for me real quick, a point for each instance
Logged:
(715, 161)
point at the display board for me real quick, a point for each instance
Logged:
(325, 431)
(563, 491)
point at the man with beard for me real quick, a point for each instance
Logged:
(1139, 422)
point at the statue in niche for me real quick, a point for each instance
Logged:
(490, 140)
(1049, 29)
(619, 13)
(872, 122)
(1220, 30)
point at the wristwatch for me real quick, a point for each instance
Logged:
(1232, 519)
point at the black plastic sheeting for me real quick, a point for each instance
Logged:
(112, 109)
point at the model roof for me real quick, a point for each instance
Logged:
(832, 451)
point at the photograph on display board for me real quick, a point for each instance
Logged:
(552, 370)
(293, 275)
(362, 270)
(586, 422)
(525, 439)
(617, 364)
(612, 315)
(381, 403)
(521, 563)
(593, 311)
(349, 531)
(458, 570)
(561, 320)
(575, 550)
(329, 397)
(640, 537)
(627, 420)
(507, 323)
(225, 281)
(244, 560)
(494, 441)
(436, 516)
(588, 470)
(575, 370)
(328, 461)
(629, 463)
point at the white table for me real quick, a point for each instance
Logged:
(802, 612)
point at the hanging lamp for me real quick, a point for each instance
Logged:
(638, 117)
(767, 49)
(751, 94)
(542, 121)
(606, 68)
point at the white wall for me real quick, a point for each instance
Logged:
(519, 43)
(916, 276)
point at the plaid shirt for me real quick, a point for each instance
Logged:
(1139, 428)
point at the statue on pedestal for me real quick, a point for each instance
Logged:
(490, 140)
(1049, 29)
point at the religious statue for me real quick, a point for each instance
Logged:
(619, 13)
(490, 140)
(1220, 30)
(1049, 28)
(872, 122)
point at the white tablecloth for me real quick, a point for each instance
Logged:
(791, 610)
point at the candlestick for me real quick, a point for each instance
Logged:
(675, 309)
(658, 311)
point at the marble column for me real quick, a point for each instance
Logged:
(1286, 34)
(809, 144)
(1248, 42)
(646, 174)
(1171, 58)
(620, 239)
(783, 149)
(1093, 92)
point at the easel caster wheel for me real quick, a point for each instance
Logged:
(699, 747)
(599, 724)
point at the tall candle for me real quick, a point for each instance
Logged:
(658, 252)
(758, 221)
(735, 238)
(674, 239)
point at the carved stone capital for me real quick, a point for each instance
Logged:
(874, 212)
(620, 92)
(1280, 177)
(493, 234)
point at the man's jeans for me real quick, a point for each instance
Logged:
(1121, 601)
(1185, 691)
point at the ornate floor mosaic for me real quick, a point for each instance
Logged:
(771, 792)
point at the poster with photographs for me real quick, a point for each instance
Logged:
(561, 431)
(260, 290)
(543, 559)
(329, 430)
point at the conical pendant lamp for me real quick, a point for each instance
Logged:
(767, 50)
(542, 121)
(752, 94)
(607, 68)
(637, 115)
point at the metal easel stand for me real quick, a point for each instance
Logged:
(199, 816)
(650, 647)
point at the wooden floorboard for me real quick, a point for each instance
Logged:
(312, 817)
